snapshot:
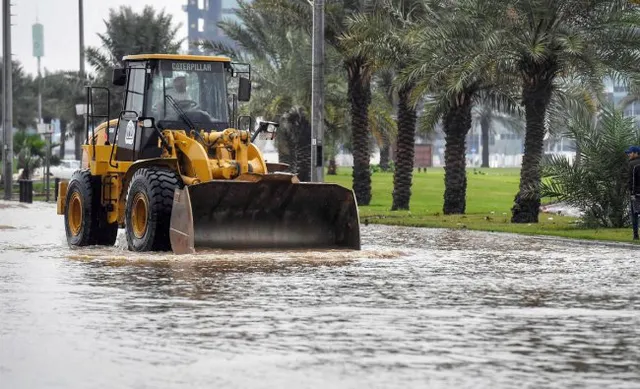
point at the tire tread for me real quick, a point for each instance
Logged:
(97, 231)
(161, 183)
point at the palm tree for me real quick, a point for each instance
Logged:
(128, 32)
(571, 98)
(25, 96)
(382, 36)
(384, 84)
(294, 143)
(545, 40)
(61, 91)
(279, 57)
(455, 77)
(382, 124)
(359, 70)
(30, 151)
(595, 185)
(336, 120)
(281, 77)
(484, 115)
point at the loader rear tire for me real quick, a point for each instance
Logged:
(148, 209)
(85, 220)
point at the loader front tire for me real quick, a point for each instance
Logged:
(148, 209)
(85, 220)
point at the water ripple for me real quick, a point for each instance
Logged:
(414, 308)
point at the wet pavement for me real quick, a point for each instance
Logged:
(415, 308)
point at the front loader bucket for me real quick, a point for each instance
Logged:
(272, 212)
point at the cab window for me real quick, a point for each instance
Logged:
(135, 90)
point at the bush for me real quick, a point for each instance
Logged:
(597, 182)
(30, 151)
(54, 160)
(375, 168)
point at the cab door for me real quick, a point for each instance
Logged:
(128, 130)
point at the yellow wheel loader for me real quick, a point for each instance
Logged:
(177, 172)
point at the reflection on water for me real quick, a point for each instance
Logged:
(414, 308)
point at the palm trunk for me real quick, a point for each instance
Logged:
(331, 150)
(536, 97)
(287, 151)
(303, 153)
(384, 153)
(405, 146)
(485, 123)
(332, 170)
(287, 141)
(359, 97)
(457, 123)
(63, 138)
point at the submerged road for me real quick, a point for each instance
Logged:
(423, 308)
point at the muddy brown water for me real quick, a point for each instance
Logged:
(415, 308)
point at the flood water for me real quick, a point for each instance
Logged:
(423, 308)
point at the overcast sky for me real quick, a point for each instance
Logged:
(60, 21)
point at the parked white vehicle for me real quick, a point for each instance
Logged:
(65, 169)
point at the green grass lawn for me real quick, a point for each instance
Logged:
(490, 195)
(492, 191)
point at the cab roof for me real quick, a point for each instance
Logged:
(177, 57)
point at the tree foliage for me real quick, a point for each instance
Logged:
(281, 77)
(598, 184)
(25, 96)
(390, 61)
(382, 36)
(358, 68)
(544, 42)
(128, 33)
(61, 91)
(30, 149)
(455, 64)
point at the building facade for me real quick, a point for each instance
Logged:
(202, 21)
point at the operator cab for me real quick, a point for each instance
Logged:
(178, 92)
(197, 88)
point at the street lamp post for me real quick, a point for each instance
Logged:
(81, 33)
(47, 131)
(38, 52)
(7, 100)
(37, 31)
(317, 92)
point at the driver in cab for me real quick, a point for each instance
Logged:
(178, 93)
(183, 101)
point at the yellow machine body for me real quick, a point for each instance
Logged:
(225, 195)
